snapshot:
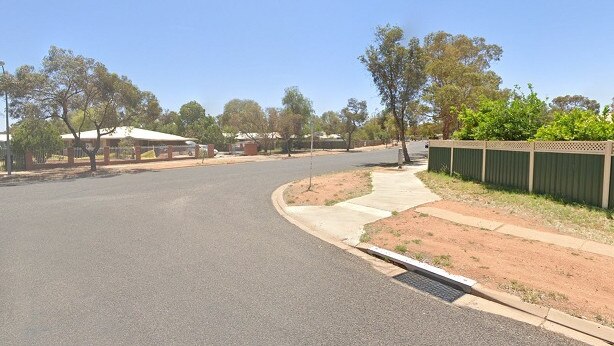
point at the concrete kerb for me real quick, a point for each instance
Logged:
(549, 318)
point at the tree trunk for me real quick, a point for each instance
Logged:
(288, 146)
(92, 156)
(349, 141)
(446, 126)
(402, 138)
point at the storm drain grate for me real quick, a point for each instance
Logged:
(430, 286)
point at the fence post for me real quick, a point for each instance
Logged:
(531, 165)
(196, 151)
(70, 153)
(211, 153)
(451, 157)
(484, 161)
(29, 161)
(137, 153)
(169, 152)
(607, 171)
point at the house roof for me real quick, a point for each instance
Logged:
(131, 132)
(250, 135)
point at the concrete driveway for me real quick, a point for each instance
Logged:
(199, 255)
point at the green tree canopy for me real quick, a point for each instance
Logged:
(331, 122)
(36, 135)
(398, 72)
(568, 102)
(189, 114)
(69, 83)
(514, 119)
(296, 103)
(352, 117)
(459, 75)
(577, 125)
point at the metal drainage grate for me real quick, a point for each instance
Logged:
(430, 286)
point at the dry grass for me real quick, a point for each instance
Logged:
(574, 219)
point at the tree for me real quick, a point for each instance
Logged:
(189, 113)
(36, 135)
(287, 125)
(296, 103)
(248, 118)
(352, 117)
(516, 119)
(331, 122)
(568, 102)
(577, 125)
(398, 72)
(459, 75)
(67, 84)
(206, 131)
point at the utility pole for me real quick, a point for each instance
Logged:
(9, 157)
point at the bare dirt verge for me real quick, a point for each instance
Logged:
(329, 189)
(577, 282)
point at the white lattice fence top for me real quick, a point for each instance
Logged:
(469, 144)
(508, 145)
(572, 147)
(434, 143)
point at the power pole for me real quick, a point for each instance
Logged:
(9, 157)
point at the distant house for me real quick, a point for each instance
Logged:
(139, 136)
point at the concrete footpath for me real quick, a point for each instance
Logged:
(392, 192)
(343, 224)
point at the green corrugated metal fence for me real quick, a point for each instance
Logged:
(439, 159)
(468, 163)
(574, 177)
(508, 168)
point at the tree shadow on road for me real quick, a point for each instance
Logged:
(64, 176)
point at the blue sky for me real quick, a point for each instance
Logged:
(213, 51)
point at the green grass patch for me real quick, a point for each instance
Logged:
(575, 219)
(400, 248)
(365, 237)
(531, 295)
(442, 260)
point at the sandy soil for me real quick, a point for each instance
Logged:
(329, 189)
(577, 282)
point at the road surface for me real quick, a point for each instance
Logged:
(199, 255)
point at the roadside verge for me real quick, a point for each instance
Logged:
(481, 298)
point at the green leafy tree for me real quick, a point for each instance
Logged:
(190, 113)
(69, 83)
(248, 118)
(352, 117)
(514, 119)
(568, 102)
(331, 122)
(577, 125)
(459, 75)
(36, 135)
(206, 131)
(294, 102)
(398, 72)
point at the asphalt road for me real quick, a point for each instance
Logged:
(199, 255)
